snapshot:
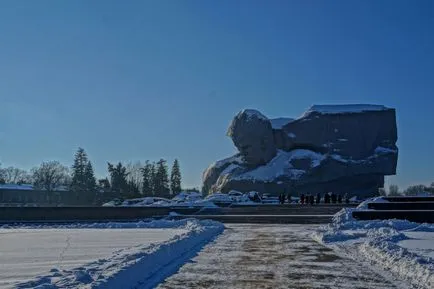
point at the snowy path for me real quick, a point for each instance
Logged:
(27, 253)
(273, 256)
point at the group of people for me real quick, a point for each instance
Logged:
(309, 199)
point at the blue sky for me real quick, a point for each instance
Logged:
(137, 80)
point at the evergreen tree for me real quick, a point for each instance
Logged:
(89, 177)
(147, 179)
(153, 179)
(162, 179)
(118, 179)
(175, 178)
(83, 177)
(78, 171)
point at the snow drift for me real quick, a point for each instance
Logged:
(385, 244)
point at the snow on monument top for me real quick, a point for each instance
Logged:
(344, 108)
(253, 113)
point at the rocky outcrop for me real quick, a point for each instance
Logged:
(343, 148)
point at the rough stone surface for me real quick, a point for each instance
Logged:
(353, 135)
(346, 149)
(252, 134)
(213, 172)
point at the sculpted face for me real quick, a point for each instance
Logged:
(253, 137)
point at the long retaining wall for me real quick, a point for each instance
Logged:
(10, 214)
(262, 213)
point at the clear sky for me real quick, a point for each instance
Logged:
(137, 80)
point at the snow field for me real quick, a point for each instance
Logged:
(27, 253)
(135, 255)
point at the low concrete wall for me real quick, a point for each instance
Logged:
(11, 214)
(293, 209)
(297, 213)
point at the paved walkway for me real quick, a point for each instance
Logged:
(272, 256)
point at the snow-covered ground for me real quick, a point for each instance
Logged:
(404, 248)
(105, 255)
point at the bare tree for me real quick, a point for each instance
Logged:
(13, 175)
(393, 190)
(381, 191)
(415, 190)
(2, 176)
(430, 189)
(135, 176)
(50, 175)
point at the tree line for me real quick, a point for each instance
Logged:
(126, 181)
(410, 191)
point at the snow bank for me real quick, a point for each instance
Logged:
(187, 196)
(143, 266)
(345, 108)
(278, 123)
(219, 198)
(146, 201)
(382, 243)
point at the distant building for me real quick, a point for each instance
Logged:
(19, 195)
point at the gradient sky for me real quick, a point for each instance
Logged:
(137, 80)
